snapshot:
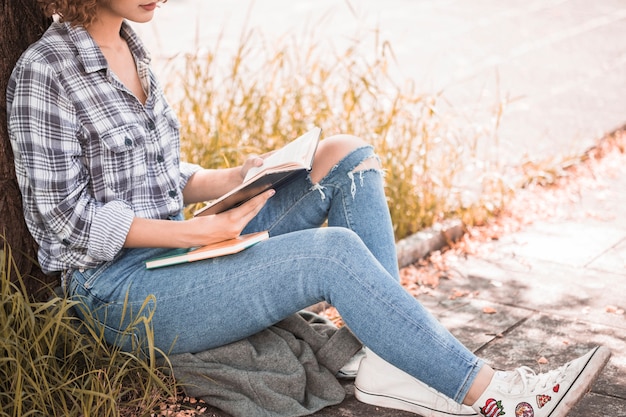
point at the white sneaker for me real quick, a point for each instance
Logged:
(523, 393)
(351, 368)
(382, 384)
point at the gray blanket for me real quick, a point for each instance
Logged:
(287, 370)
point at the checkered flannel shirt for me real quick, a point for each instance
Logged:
(89, 156)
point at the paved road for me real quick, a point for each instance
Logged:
(561, 62)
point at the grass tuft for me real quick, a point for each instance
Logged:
(52, 364)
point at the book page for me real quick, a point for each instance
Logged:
(297, 152)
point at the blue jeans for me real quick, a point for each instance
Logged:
(351, 264)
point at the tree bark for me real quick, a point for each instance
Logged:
(21, 23)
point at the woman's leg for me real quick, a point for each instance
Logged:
(210, 303)
(347, 191)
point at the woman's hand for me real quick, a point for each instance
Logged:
(230, 223)
(198, 231)
(208, 184)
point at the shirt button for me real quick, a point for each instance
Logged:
(151, 125)
(128, 141)
(173, 194)
(160, 159)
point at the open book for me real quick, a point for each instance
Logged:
(279, 167)
(226, 247)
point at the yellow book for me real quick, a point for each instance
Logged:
(226, 247)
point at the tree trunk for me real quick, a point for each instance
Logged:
(21, 23)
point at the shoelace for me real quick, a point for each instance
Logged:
(530, 381)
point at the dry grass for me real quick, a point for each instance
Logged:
(51, 364)
(260, 98)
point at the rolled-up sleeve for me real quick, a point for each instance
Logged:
(186, 171)
(109, 229)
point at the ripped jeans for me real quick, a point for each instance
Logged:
(351, 264)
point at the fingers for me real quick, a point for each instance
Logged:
(251, 208)
(253, 161)
(240, 216)
(228, 224)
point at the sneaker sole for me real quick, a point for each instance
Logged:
(401, 404)
(583, 381)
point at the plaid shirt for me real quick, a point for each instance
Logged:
(89, 156)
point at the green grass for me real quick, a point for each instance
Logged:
(53, 365)
(257, 99)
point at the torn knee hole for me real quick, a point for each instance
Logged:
(369, 163)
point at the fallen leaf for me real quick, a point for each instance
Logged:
(614, 310)
(489, 310)
(458, 294)
(542, 361)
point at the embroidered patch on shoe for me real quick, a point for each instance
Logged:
(556, 388)
(492, 408)
(524, 410)
(543, 400)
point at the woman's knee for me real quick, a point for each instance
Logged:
(333, 149)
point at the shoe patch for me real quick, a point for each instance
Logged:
(543, 400)
(556, 388)
(524, 410)
(492, 408)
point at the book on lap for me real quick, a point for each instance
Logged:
(282, 165)
(226, 247)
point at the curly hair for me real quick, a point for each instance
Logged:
(76, 12)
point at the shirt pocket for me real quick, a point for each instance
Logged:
(172, 119)
(124, 158)
(170, 139)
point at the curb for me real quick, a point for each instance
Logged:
(419, 245)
